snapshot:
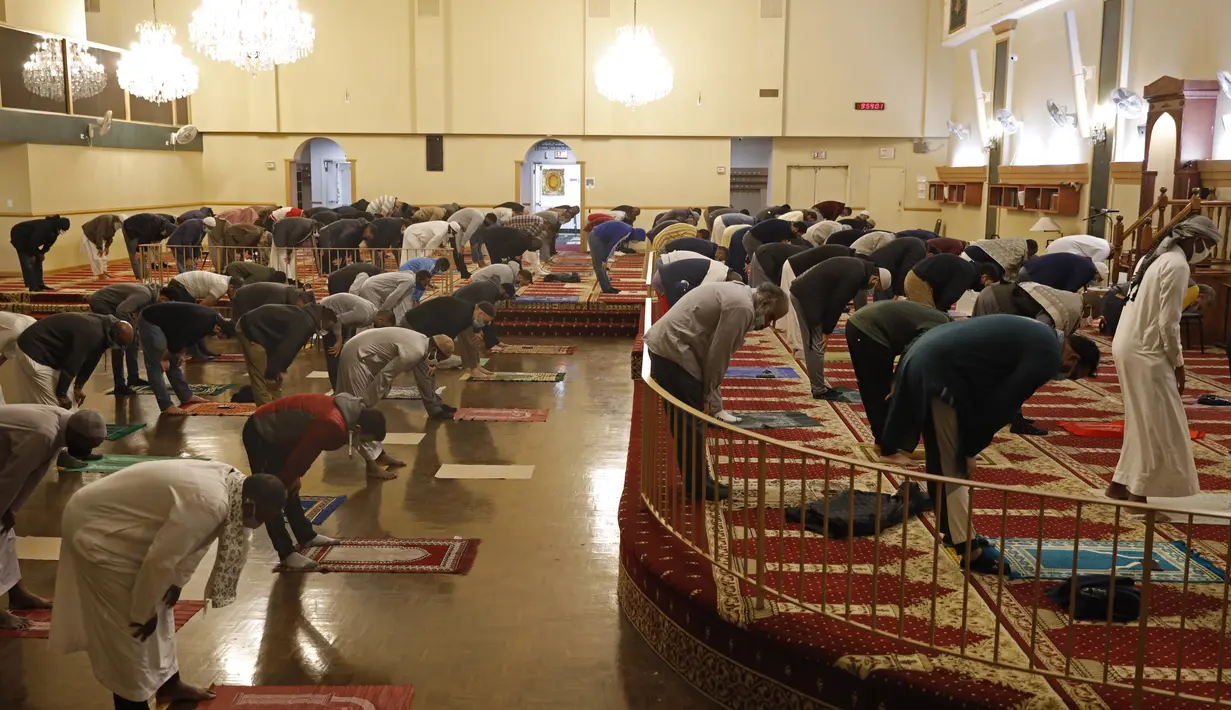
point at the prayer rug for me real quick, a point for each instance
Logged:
(40, 620)
(1113, 429)
(317, 508)
(408, 393)
(545, 299)
(1094, 557)
(768, 373)
(774, 420)
(220, 409)
(454, 470)
(199, 390)
(227, 357)
(492, 414)
(428, 555)
(115, 432)
(837, 356)
(279, 697)
(110, 463)
(517, 377)
(514, 349)
(402, 439)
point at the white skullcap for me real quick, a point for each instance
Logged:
(88, 422)
(865, 213)
(886, 279)
(210, 222)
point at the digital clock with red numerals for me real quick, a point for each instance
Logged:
(870, 106)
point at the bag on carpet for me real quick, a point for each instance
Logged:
(565, 278)
(864, 521)
(1113, 305)
(1092, 593)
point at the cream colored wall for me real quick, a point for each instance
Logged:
(964, 108)
(62, 17)
(14, 178)
(860, 155)
(831, 64)
(962, 222)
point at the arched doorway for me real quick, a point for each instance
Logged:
(551, 177)
(320, 175)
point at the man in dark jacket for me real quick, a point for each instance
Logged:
(947, 245)
(704, 247)
(805, 260)
(1062, 270)
(957, 386)
(250, 272)
(126, 301)
(605, 240)
(339, 242)
(185, 242)
(819, 298)
(33, 239)
(458, 319)
(875, 336)
(195, 214)
(144, 228)
(770, 260)
(289, 234)
(62, 350)
(772, 212)
(323, 216)
(508, 244)
(252, 296)
(385, 233)
(680, 277)
(491, 292)
(340, 281)
(899, 257)
(271, 336)
(166, 329)
(941, 279)
(284, 438)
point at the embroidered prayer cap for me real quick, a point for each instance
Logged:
(444, 344)
(88, 423)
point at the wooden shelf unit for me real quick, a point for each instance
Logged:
(958, 186)
(1061, 200)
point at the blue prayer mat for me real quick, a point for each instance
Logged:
(317, 508)
(1094, 557)
(770, 373)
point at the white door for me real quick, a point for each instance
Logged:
(344, 181)
(886, 192)
(800, 186)
(831, 184)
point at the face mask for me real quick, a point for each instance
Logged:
(1199, 256)
(479, 325)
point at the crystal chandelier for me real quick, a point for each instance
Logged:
(633, 71)
(254, 35)
(43, 74)
(154, 68)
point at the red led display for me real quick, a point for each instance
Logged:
(870, 106)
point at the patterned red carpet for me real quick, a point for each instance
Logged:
(992, 617)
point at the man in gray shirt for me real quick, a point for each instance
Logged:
(690, 348)
(506, 273)
(125, 301)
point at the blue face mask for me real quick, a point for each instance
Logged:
(479, 325)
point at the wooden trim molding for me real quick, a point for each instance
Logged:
(976, 173)
(1215, 173)
(1127, 173)
(1044, 174)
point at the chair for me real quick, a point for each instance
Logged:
(1187, 320)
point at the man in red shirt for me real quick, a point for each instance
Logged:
(284, 437)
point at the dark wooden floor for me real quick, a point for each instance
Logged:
(535, 624)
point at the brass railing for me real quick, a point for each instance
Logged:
(1003, 624)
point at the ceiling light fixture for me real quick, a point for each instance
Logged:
(633, 71)
(154, 68)
(43, 73)
(254, 35)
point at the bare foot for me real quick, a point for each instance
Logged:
(386, 460)
(380, 474)
(182, 692)
(21, 598)
(478, 372)
(175, 412)
(485, 372)
(898, 459)
(196, 400)
(8, 622)
(1117, 491)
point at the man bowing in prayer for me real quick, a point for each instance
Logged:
(31, 436)
(60, 352)
(1156, 459)
(130, 543)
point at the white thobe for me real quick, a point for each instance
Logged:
(371, 360)
(794, 336)
(1156, 458)
(420, 239)
(872, 241)
(126, 539)
(30, 437)
(11, 326)
(97, 259)
(679, 255)
(1096, 248)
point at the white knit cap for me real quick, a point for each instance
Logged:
(209, 222)
(886, 279)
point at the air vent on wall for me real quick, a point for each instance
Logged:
(93, 5)
(600, 8)
(771, 9)
(769, 93)
(429, 8)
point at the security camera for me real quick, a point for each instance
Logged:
(1012, 57)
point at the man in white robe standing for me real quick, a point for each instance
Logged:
(31, 436)
(1156, 458)
(131, 541)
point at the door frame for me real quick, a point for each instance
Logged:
(846, 197)
(901, 199)
(517, 168)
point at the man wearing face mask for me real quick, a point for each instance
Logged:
(285, 437)
(31, 435)
(458, 318)
(367, 367)
(957, 386)
(690, 349)
(1156, 458)
(130, 542)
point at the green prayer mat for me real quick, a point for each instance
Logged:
(199, 390)
(115, 432)
(110, 463)
(517, 377)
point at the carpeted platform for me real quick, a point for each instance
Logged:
(703, 619)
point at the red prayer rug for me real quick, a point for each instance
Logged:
(427, 555)
(341, 697)
(493, 414)
(1112, 429)
(220, 409)
(41, 620)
